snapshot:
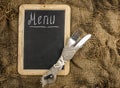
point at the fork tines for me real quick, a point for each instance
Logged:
(76, 35)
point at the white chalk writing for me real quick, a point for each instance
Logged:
(41, 19)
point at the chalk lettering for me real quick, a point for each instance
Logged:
(45, 19)
(52, 19)
(32, 18)
(41, 19)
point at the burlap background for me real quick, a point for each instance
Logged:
(96, 65)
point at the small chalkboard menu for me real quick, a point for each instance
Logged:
(43, 31)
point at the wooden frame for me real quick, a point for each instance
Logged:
(21, 35)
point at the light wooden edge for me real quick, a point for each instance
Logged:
(21, 34)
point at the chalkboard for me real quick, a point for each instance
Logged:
(43, 31)
(43, 39)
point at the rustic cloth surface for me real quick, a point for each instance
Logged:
(96, 65)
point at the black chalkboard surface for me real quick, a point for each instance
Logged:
(42, 35)
(43, 39)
